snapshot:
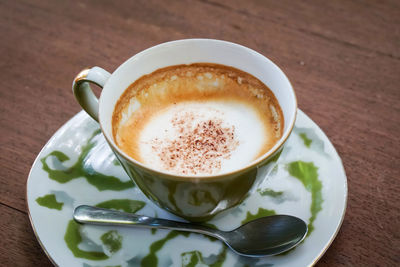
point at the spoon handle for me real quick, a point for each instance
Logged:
(93, 215)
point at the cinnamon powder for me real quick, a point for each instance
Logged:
(198, 148)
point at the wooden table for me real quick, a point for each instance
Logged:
(342, 57)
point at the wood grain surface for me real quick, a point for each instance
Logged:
(342, 57)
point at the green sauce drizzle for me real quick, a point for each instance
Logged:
(192, 258)
(112, 240)
(127, 205)
(307, 173)
(306, 140)
(78, 170)
(73, 238)
(220, 258)
(261, 213)
(270, 192)
(151, 258)
(50, 202)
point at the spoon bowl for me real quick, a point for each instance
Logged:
(265, 236)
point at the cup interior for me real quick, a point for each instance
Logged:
(198, 51)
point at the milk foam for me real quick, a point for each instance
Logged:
(249, 134)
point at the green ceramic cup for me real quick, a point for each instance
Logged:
(193, 198)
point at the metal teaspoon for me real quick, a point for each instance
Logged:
(262, 237)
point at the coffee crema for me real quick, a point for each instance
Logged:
(199, 119)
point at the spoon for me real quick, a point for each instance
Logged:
(261, 237)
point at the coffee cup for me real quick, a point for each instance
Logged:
(193, 196)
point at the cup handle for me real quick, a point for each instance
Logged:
(84, 94)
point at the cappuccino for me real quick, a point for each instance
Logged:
(199, 119)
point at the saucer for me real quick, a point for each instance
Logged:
(77, 167)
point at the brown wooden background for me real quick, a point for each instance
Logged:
(343, 58)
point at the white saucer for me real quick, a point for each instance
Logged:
(77, 167)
